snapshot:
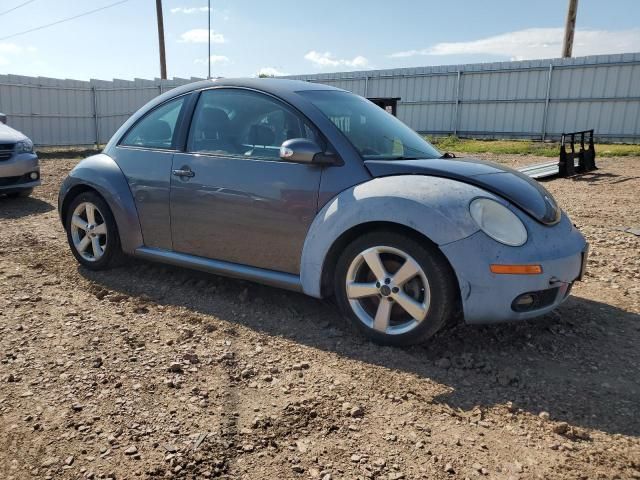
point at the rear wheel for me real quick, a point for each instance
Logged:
(394, 289)
(92, 232)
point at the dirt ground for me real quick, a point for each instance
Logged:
(149, 371)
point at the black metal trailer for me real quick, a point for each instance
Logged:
(571, 162)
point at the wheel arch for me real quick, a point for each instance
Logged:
(102, 175)
(331, 259)
(71, 194)
(431, 209)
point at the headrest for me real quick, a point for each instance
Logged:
(261, 135)
(213, 121)
(156, 131)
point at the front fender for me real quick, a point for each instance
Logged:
(101, 173)
(438, 208)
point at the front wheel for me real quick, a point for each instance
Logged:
(394, 289)
(92, 232)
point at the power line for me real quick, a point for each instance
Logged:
(63, 20)
(17, 7)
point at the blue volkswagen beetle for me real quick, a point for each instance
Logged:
(315, 189)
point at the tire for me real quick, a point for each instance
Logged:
(21, 193)
(82, 240)
(430, 294)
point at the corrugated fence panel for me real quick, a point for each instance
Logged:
(525, 99)
(603, 97)
(73, 112)
(47, 109)
(502, 103)
(427, 118)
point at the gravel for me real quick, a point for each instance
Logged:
(149, 371)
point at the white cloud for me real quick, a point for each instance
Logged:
(214, 59)
(199, 35)
(10, 51)
(271, 72)
(10, 48)
(326, 59)
(536, 43)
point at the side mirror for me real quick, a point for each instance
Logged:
(3, 118)
(303, 150)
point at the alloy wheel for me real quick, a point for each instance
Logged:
(89, 231)
(388, 290)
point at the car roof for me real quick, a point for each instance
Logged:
(275, 86)
(279, 87)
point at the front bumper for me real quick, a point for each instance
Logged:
(15, 173)
(488, 297)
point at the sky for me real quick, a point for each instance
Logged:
(287, 37)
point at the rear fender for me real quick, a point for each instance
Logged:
(102, 174)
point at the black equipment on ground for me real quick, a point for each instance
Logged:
(586, 157)
(571, 162)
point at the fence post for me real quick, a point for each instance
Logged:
(366, 86)
(546, 103)
(95, 114)
(457, 105)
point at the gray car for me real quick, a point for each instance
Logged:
(314, 189)
(19, 168)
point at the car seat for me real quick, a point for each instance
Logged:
(213, 132)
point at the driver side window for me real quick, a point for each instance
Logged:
(244, 123)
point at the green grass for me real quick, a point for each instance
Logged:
(67, 152)
(445, 144)
(525, 147)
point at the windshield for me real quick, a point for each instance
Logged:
(376, 134)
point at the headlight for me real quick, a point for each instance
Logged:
(498, 222)
(24, 146)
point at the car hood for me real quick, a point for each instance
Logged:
(8, 134)
(514, 186)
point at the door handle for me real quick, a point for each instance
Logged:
(184, 172)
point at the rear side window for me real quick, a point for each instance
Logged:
(157, 129)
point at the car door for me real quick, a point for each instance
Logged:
(232, 198)
(144, 155)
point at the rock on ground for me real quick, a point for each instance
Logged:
(147, 371)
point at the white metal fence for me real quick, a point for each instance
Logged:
(72, 112)
(538, 99)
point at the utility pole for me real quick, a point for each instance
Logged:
(209, 33)
(569, 29)
(163, 60)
